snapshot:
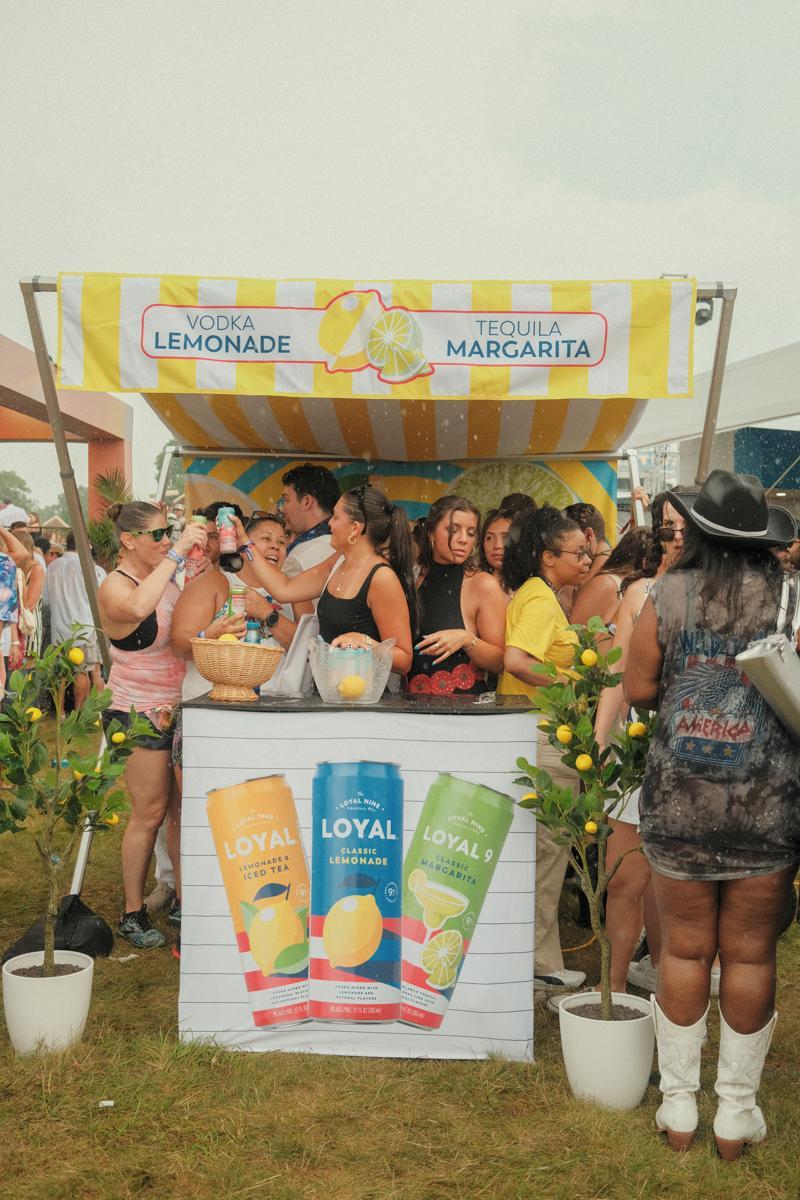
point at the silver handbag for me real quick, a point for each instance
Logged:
(773, 666)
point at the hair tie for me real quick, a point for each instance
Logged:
(388, 507)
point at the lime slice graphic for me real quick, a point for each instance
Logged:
(394, 346)
(485, 486)
(441, 958)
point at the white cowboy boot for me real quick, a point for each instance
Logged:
(679, 1049)
(741, 1060)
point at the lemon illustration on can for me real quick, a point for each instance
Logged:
(394, 347)
(352, 931)
(274, 928)
(441, 958)
(344, 328)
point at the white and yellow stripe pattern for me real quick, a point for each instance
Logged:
(458, 412)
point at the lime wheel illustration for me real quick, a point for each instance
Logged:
(486, 485)
(441, 958)
(394, 347)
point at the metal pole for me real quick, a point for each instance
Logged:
(204, 452)
(169, 454)
(637, 508)
(28, 287)
(728, 296)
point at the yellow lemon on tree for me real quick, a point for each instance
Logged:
(33, 713)
(227, 637)
(564, 735)
(351, 687)
(78, 776)
(584, 762)
(272, 929)
(111, 819)
(76, 656)
(118, 738)
(589, 658)
(637, 729)
(590, 827)
(352, 931)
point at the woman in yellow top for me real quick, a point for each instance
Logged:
(546, 551)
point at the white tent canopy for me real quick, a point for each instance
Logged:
(755, 391)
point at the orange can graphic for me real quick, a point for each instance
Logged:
(263, 865)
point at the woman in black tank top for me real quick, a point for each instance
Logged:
(365, 589)
(462, 621)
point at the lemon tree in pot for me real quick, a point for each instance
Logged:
(49, 790)
(579, 819)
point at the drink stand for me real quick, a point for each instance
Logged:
(416, 387)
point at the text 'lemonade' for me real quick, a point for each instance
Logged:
(357, 859)
(264, 870)
(448, 871)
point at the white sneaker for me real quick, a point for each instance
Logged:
(160, 898)
(643, 974)
(559, 981)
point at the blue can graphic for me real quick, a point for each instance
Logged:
(356, 892)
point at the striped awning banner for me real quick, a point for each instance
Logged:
(404, 370)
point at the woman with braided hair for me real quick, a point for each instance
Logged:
(365, 596)
(546, 551)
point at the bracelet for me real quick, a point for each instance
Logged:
(471, 646)
(180, 559)
(247, 550)
(201, 634)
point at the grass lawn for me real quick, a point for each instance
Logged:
(198, 1122)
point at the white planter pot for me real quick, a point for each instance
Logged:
(607, 1061)
(46, 1014)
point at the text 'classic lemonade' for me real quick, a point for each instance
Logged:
(263, 866)
(448, 870)
(357, 855)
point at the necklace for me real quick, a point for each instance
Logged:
(552, 586)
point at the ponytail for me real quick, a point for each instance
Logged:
(401, 560)
(530, 535)
(386, 527)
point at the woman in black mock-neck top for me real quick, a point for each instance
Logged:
(462, 621)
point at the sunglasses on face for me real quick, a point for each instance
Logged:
(156, 534)
(668, 533)
(262, 515)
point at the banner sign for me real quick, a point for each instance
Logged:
(409, 339)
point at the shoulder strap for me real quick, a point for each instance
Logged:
(125, 575)
(362, 591)
(783, 608)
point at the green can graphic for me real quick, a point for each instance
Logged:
(446, 875)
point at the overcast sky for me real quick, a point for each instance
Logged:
(423, 139)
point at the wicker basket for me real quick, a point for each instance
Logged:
(234, 668)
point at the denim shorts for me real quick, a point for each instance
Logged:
(161, 739)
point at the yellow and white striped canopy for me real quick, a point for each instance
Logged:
(405, 371)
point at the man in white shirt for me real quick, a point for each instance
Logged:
(69, 605)
(309, 494)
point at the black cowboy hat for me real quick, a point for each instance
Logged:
(733, 508)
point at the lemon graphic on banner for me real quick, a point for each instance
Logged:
(352, 931)
(344, 327)
(273, 928)
(394, 347)
(441, 957)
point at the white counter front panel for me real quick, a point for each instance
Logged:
(491, 1011)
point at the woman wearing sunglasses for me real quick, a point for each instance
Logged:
(547, 551)
(136, 602)
(365, 588)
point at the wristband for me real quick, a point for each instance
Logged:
(202, 633)
(247, 550)
(180, 559)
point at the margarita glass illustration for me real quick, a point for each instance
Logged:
(438, 902)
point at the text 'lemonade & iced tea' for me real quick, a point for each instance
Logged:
(260, 853)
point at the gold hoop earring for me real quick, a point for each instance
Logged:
(353, 538)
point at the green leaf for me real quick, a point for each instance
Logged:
(249, 911)
(614, 655)
(292, 960)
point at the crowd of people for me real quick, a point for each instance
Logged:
(478, 605)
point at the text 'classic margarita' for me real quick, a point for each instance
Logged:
(264, 870)
(448, 870)
(357, 859)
